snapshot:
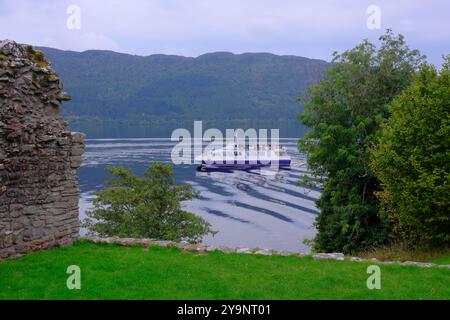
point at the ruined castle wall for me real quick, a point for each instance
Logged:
(39, 157)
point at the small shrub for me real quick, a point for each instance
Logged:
(145, 207)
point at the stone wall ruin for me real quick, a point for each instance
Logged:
(39, 157)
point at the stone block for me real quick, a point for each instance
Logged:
(78, 137)
(329, 256)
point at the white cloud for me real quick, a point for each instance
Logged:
(192, 27)
(44, 24)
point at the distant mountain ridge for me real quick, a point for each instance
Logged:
(122, 95)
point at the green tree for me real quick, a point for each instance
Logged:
(344, 112)
(145, 207)
(412, 161)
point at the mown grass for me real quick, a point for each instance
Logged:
(114, 272)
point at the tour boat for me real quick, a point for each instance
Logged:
(245, 156)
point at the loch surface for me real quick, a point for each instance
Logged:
(257, 208)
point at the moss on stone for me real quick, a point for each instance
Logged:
(36, 57)
(35, 79)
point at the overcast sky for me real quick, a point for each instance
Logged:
(192, 27)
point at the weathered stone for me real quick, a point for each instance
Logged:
(419, 264)
(182, 244)
(329, 256)
(78, 137)
(38, 183)
(201, 248)
(93, 239)
(188, 248)
(111, 240)
(357, 259)
(75, 161)
(146, 242)
(64, 96)
(265, 252)
(45, 138)
(243, 250)
(163, 243)
(286, 253)
(211, 248)
(226, 249)
(32, 209)
(128, 241)
(77, 151)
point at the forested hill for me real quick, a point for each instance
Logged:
(122, 95)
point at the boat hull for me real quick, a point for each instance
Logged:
(246, 163)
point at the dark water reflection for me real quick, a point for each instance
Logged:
(256, 208)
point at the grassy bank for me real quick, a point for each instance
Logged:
(114, 272)
(402, 253)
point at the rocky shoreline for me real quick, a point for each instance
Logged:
(203, 248)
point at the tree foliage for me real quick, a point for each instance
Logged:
(412, 160)
(344, 112)
(145, 207)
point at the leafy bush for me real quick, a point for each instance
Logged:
(145, 207)
(344, 112)
(412, 161)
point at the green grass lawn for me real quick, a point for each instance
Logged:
(440, 260)
(115, 272)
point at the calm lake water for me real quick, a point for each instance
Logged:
(257, 208)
